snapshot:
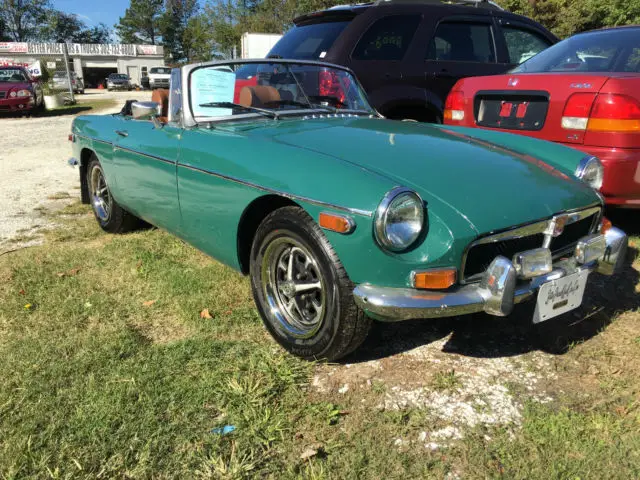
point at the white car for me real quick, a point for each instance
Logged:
(159, 77)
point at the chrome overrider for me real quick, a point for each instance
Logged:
(501, 286)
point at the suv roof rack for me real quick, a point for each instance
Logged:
(468, 3)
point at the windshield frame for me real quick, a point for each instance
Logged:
(189, 119)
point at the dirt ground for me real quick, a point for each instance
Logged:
(33, 166)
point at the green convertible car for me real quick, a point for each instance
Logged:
(282, 170)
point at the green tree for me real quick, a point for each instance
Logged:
(141, 22)
(60, 27)
(177, 16)
(22, 19)
(197, 40)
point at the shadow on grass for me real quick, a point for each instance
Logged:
(485, 336)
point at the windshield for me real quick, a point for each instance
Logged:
(604, 51)
(164, 71)
(12, 75)
(308, 42)
(223, 91)
(118, 76)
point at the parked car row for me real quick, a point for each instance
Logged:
(583, 92)
(580, 92)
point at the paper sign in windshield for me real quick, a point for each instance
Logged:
(212, 85)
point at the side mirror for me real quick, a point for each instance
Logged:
(145, 110)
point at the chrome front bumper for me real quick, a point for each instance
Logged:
(496, 294)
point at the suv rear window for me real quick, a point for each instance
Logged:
(462, 42)
(388, 38)
(308, 42)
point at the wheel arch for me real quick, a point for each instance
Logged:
(85, 157)
(250, 219)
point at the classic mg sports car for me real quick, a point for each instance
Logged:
(282, 170)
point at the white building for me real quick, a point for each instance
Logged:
(91, 62)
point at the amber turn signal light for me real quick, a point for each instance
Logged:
(605, 225)
(336, 223)
(434, 279)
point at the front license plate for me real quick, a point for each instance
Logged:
(560, 296)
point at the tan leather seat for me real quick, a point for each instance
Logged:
(258, 96)
(161, 96)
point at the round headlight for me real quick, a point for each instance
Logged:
(399, 219)
(590, 171)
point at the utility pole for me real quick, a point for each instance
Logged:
(65, 52)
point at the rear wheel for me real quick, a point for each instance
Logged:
(111, 217)
(301, 289)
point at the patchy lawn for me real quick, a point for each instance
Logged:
(123, 356)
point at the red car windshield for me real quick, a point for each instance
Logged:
(616, 50)
(12, 75)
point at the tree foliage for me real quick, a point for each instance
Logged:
(22, 18)
(61, 27)
(178, 26)
(567, 17)
(141, 22)
(36, 20)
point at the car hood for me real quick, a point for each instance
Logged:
(490, 186)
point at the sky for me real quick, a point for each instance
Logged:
(92, 12)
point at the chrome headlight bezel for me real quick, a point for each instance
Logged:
(591, 171)
(381, 221)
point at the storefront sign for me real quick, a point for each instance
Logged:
(81, 49)
(14, 47)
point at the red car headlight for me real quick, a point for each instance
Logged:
(21, 93)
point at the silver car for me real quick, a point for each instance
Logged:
(60, 81)
(118, 81)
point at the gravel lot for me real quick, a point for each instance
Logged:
(33, 166)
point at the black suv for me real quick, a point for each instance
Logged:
(409, 54)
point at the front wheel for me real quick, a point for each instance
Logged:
(111, 217)
(301, 289)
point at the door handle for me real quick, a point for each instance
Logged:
(122, 133)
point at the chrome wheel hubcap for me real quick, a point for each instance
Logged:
(100, 196)
(294, 287)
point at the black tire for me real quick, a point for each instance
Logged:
(110, 216)
(339, 326)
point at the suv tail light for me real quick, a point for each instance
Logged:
(329, 86)
(609, 112)
(454, 106)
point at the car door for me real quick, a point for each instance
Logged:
(461, 46)
(145, 158)
(377, 58)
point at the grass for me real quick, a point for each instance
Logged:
(445, 380)
(109, 371)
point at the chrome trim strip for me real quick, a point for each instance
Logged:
(525, 231)
(147, 155)
(291, 196)
(93, 139)
(389, 304)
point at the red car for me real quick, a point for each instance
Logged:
(19, 92)
(583, 92)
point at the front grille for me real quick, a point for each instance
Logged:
(3, 94)
(480, 256)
